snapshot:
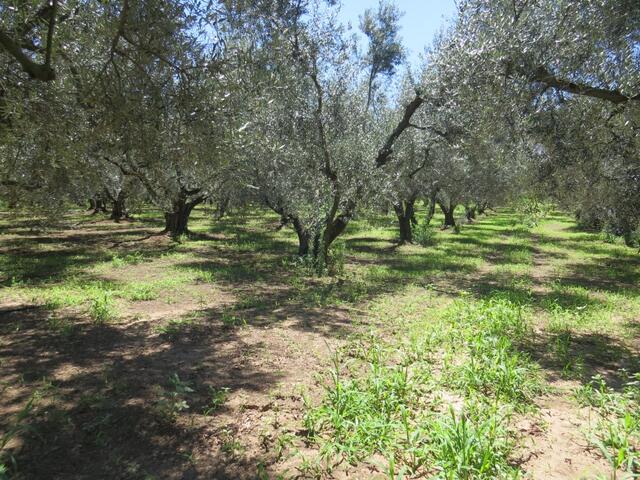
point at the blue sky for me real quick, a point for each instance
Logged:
(421, 21)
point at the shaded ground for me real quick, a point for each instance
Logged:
(199, 366)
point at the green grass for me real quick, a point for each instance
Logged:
(388, 395)
(616, 428)
(449, 341)
(391, 393)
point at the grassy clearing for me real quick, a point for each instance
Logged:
(438, 396)
(441, 352)
(435, 389)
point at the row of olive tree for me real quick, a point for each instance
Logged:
(180, 102)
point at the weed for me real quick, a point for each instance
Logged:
(424, 235)
(617, 428)
(134, 258)
(231, 445)
(8, 462)
(229, 320)
(217, 397)
(62, 326)
(472, 445)
(173, 400)
(141, 292)
(174, 327)
(102, 308)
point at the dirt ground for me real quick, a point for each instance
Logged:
(98, 410)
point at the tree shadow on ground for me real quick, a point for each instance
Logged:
(611, 275)
(581, 356)
(107, 400)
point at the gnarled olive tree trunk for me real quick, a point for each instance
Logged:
(97, 204)
(118, 207)
(177, 220)
(405, 211)
(222, 207)
(431, 208)
(307, 241)
(470, 212)
(448, 211)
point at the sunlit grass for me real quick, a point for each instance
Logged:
(450, 342)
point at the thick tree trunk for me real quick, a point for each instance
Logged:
(221, 211)
(406, 235)
(333, 229)
(177, 221)
(431, 210)
(405, 212)
(449, 219)
(118, 207)
(331, 232)
(628, 234)
(99, 206)
(304, 238)
(470, 213)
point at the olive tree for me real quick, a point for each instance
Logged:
(317, 149)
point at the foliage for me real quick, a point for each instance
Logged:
(377, 402)
(532, 211)
(18, 426)
(217, 397)
(102, 307)
(616, 431)
(424, 234)
(173, 400)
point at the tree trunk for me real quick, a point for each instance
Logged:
(304, 238)
(406, 218)
(449, 219)
(177, 221)
(333, 229)
(118, 207)
(331, 232)
(99, 206)
(628, 234)
(470, 213)
(221, 211)
(431, 210)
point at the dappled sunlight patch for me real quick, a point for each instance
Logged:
(448, 349)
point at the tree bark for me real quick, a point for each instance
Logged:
(221, 211)
(98, 206)
(405, 211)
(449, 219)
(332, 231)
(177, 220)
(470, 212)
(304, 238)
(431, 210)
(118, 207)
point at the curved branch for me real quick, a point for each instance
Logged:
(543, 75)
(42, 72)
(384, 154)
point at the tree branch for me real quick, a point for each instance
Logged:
(35, 70)
(385, 152)
(543, 75)
(52, 26)
(23, 186)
